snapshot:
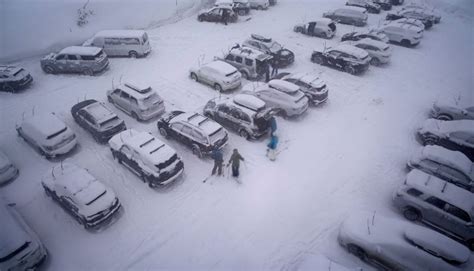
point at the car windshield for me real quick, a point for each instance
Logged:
(96, 198)
(4, 258)
(275, 47)
(109, 121)
(217, 135)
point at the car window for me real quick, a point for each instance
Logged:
(126, 150)
(199, 136)
(229, 57)
(177, 126)
(459, 213)
(414, 192)
(248, 62)
(116, 92)
(238, 59)
(124, 95)
(88, 117)
(187, 130)
(133, 100)
(223, 108)
(60, 57)
(470, 140)
(71, 57)
(459, 135)
(245, 117)
(436, 202)
(470, 109)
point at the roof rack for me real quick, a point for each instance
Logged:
(428, 180)
(193, 116)
(147, 142)
(202, 121)
(444, 187)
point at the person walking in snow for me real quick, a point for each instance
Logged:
(218, 158)
(273, 125)
(225, 16)
(275, 65)
(235, 160)
(272, 146)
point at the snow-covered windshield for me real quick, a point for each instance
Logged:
(4, 258)
(275, 47)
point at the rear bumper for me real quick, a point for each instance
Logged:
(63, 150)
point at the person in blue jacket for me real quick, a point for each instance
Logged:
(218, 158)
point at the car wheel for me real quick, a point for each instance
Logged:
(200, 18)
(88, 72)
(8, 88)
(163, 132)
(430, 140)
(133, 54)
(318, 60)
(194, 77)
(412, 214)
(243, 133)
(406, 43)
(375, 61)
(357, 251)
(218, 87)
(444, 117)
(299, 30)
(245, 75)
(197, 151)
(135, 116)
(49, 69)
(350, 69)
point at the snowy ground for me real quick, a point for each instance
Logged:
(346, 155)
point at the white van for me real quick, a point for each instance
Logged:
(20, 248)
(132, 43)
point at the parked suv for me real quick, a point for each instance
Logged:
(348, 15)
(379, 52)
(145, 155)
(440, 204)
(251, 63)
(344, 57)
(309, 83)
(451, 166)
(20, 247)
(456, 135)
(246, 114)
(411, 14)
(241, 7)
(215, 14)
(427, 11)
(408, 21)
(404, 34)
(282, 57)
(370, 34)
(324, 28)
(280, 94)
(139, 101)
(445, 111)
(259, 4)
(131, 43)
(198, 132)
(48, 135)
(367, 4)
(218, 74)
(76, 59)
(97, 119)
(13, 79)
(8, 171)
(384, 4)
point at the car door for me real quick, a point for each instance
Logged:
(124, 101)
(456, 220)
(174, 131)
(69, 205)
(436, 214)
(223, 115)
(73, 63)
(187, 135)
(468, 113)
(130, 160)
(61, 62)
(204, 74)
(85, 120)
(235, 116)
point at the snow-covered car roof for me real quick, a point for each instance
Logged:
(250, 53)
(4, 161)
(12, 235)
(316, 262)
(100, 112)
(375, 43)
(409, 21)
(150, 147)
(351, 50)
(454, 159)
(404, 26)
(312, 79)
(45, 124)
(283, 86)
(323, 20)
(138, 90)
(441, 189)
(197, 120)
(249, 101)
(352, 9)
(221, 67)
(444, 128)
(122, 33)
(458, 105)
(81, 50)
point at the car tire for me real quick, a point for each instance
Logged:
(243, 133)
(88, 72)
(8, 88)
(200, 18)
(357, 251)
(412, 214)
(444, 117)
(197, 151)
(49, 69)
(163, 132)
(406, 43)
(133, 54)
(194, 77)
(375, 61)
(245, 75)
(299, 30)
(318, 60)
(135, 116)
(430, 140)
(350, 69)
(218, 87)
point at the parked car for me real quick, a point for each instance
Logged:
(397, 2)
(131, 43)
(194, 130)
(379, 52)
(48, 135)
(394, 244)
(215, 14)
(282, 57)
(76, 59)
(324, 28)
(428, 11)
(138, 100)
(442, 205)
(404, 34)
(251, 63)
(428, 21)
(313, 262)
(8, 172)
(456, 135)
(280, 94)
(370, 6)
(20, 247)
(451, 166)
(344, 57)
(348, 15)
(80, 194)
(97, 119)
(146, 156)
(13, 79)
(384, 4)
(369, 34)
(309, 83)
(446, 111)
(248, 115)
(408, 21)
(259, 4)
(241, 7)
(218, 74)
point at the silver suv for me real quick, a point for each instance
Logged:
(440, 204)
(76, 59)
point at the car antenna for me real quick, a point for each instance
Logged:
(85, 96)
(373, 218)
(444, 187)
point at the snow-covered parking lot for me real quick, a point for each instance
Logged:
(345, 155)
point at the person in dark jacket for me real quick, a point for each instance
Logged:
(235, 160)
(275, 65)
(225, 16)
(218, 158)
(272, 146)
(273, 125)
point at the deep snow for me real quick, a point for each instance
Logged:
(348, 154)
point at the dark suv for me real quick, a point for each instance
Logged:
(282, 57)
(244, 113)
(200, 133)
(97, 119)
(13, 78)
(344, 57)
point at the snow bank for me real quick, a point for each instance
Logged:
(52, 24)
